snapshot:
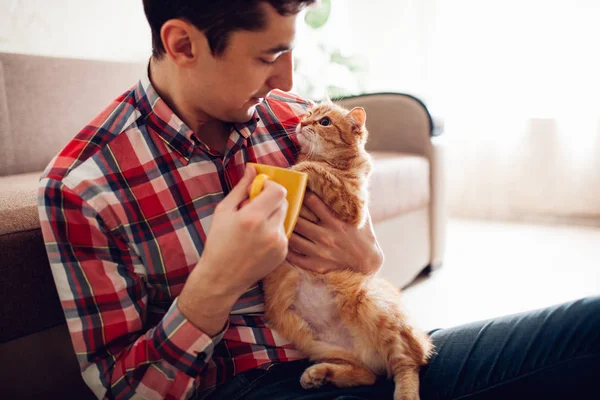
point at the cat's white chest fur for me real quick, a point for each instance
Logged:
(316, 305)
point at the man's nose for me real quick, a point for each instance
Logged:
(283, 73)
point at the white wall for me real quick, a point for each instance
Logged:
(392, 35)
(117, 30)
(95, 29)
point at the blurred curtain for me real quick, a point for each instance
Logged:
(518, 85)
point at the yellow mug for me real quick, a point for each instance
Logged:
(293, 181)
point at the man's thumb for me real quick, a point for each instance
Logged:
(240, 192)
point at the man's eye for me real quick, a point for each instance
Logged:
(325, 121)
(268, 62)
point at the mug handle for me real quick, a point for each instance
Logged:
(257, 185)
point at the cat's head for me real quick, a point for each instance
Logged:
(328, 130)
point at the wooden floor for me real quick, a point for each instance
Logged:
(494, 268)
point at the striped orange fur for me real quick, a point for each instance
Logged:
(352, 325)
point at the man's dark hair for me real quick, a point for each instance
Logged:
(216, 18)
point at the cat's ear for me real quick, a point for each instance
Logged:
(359, 115)
(327, 99)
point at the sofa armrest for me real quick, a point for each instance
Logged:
(402, 123)
(397, 122)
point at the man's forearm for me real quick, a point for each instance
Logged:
(205, 303)
(207, 313)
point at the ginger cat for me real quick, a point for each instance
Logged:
(350, 324)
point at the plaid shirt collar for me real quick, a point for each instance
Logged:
(170, 127)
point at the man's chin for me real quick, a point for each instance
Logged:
(244, 115)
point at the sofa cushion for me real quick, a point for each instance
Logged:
(18, 204)
(399, 184)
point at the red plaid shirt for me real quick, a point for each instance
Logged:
(125, 209)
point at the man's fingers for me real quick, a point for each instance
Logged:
(307, 229)
(319, 209)
(304, 262)
(301, 245)
(244, 203)
(267, 201)
(309, 215)
(278, 215)
(297, 259)
(240, 192)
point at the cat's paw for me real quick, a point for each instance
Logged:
(314, 376)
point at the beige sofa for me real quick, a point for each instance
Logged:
(45, 101)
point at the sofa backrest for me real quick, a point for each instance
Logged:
(45, 101)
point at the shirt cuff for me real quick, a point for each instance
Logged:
(182, 344)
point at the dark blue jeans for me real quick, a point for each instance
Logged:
(553, 353)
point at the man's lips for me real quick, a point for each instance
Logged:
(260, 97)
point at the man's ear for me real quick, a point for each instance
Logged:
(177, 36)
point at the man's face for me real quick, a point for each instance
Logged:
(228, 87)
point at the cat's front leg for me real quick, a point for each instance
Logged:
(332, 192)
(315, 174)
(306, 212)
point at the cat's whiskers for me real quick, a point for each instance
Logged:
(310, 136)
(311, 150)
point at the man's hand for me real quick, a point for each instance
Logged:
(245, 243)
(323, 243)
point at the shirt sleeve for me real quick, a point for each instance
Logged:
(101, 284)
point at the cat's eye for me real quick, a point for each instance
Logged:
(325, 121)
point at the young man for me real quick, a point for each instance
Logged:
(157, 258)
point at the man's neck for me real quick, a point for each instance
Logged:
(210, 131)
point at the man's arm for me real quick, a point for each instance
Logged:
(102, 288)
